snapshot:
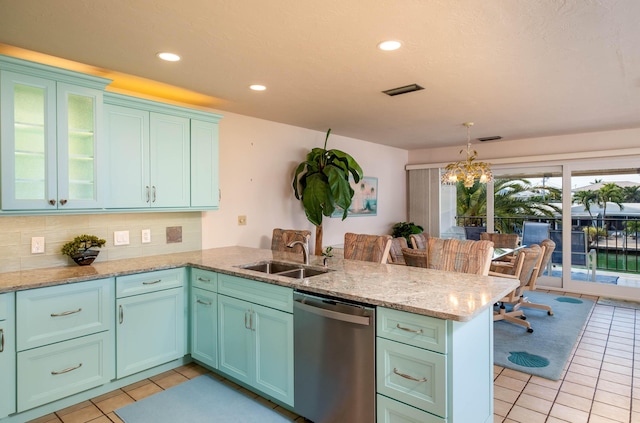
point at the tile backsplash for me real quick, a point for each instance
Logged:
(16, 233)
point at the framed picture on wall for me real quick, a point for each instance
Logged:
(365, 198)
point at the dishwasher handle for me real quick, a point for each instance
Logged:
(335, 315)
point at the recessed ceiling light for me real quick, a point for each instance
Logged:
(389, 45)
(257, 87)
(169, 57)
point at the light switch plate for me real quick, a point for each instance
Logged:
(37, 245)
(146, 236)
(121, 238)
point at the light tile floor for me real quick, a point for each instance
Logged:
(598, 384)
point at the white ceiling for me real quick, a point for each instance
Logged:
(517, 68)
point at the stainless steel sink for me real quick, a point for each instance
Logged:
(289, 270)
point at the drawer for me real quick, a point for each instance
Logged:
(58, 313)
(413, 329)
(143, 283)
(274, 296)
(391, 411)
(5, 300)
(412, 375)
(204, 279)
(55, 371)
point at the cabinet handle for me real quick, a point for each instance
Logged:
(251, 320)
(406, 376)
(152, 282)
(247, 326)
(63, 202)
(66, 313)
(154, 193)
(201, 279)
(1, 340)
(121, 314)
(199, 301)
(67, 370)
(52, 202)
(148, 193)
(408, 330)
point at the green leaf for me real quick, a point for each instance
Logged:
(316, 197)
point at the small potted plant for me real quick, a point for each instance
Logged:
(80, 249)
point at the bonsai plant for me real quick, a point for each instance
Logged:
(404, 229)
(80, 248)
(321, 182)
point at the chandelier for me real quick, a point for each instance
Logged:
(469, 170)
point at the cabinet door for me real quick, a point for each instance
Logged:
(79, 147)
(7, 356)
(150, 330)
(204, 327)
(28, 125)
(204, 164)
(169, 150)
(235, 339)
(127, 132)
(274, 352)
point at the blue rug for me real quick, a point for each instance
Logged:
(545, 351)
(202, 399)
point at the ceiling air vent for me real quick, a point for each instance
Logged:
(403, 90)
(494, 138)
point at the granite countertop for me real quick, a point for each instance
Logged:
(445, 295)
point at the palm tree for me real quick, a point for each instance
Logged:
(631, 194)
(512, 198)
(586, 199)
(609, 193)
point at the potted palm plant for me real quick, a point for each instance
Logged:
(82, 248)
(321, 182)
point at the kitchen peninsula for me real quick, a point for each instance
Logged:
(455, 310)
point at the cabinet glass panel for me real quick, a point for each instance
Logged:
(29, 127)
(81, 138)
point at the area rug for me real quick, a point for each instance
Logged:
(202, 399)
(545, 351)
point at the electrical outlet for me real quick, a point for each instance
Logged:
(121, 238)
(242, 220)
(146, 236)
(37, 245)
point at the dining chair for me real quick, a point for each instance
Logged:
(283, 237)
(419, 241)
(500, 240)
(455, 255)
(521, 269)
(548, 246)
(415, 258)
(364, 247)
(395, 252)
(534, 232)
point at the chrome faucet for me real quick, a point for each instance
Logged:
(305, 249)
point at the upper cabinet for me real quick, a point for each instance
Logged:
(160, 156)
(50, 136)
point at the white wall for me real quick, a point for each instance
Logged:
(257, 161)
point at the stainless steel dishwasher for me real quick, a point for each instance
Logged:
(334, 356)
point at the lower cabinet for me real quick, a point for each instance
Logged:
(64, 341)
(151, 325)
(256, 342)
(7, 355)
(204, 327)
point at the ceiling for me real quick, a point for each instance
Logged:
(517, 68)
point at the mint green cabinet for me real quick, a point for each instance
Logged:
(204, 317)
(170, 155)
(151, 320)
(7, 355)
(50, 137)
(64, 341)
(255, 341)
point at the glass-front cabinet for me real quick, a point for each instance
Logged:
(50, 144)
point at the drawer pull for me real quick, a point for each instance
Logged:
(408, 330)
(201, 279)
(1, 340)
(152, 282)
(66, 313)
(424, 379)
(67, 370)
(203, 302)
